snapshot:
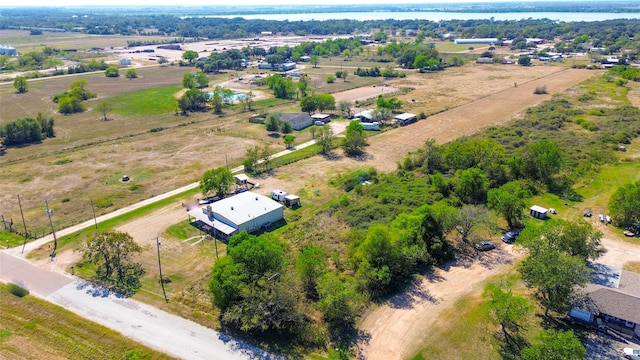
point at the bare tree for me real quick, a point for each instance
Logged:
(104, 108)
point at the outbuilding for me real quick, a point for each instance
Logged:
(538, 212)
(324, 118)
(245, 211)
(405, 119)
(292, 200)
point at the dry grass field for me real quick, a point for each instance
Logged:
(88, 156)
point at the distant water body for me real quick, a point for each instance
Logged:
(438, 16)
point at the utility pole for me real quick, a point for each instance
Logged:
(94, 213)
(160, 270)
(53, 232)
(24, 224)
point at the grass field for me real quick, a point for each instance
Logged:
(31, 328)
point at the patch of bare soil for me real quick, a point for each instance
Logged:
(364, 93)
(396, 328)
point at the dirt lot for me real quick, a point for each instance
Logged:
(396, 329)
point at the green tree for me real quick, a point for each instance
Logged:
(112, 71)
(468, 218)
(624, 205)
(507, 309)
(162, 60)
(310, 265)
(325, 139)
(190, 56)
(524, 60)
(556, 277)
(288, 140)
(509, 201)
(472, 186)
(201, 79)
(577, 238)
(272, 122)
(286, 127)
(70, 105)
(252, 155)
(325, 102)
(112, 252)
(314, 60)
(555, 345)
(20, 84)
(52, 63)
(541, 160)
(131, 74)
(339, 300)
(218, 179)
(104, 108)
(308, 104)
(188, 81)
(216, 103)
(354, 141)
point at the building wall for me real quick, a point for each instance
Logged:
(256, 223)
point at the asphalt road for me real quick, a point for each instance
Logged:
(150, 326)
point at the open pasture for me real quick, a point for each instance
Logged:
(88, 157)
(21, 40)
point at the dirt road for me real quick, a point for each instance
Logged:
(396, 329)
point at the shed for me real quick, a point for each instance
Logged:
(405, 119)
(288, 66)
(324, 118)
(538, 212)
(305, 58)
(125, 61)
(241, 179)
(292, 200)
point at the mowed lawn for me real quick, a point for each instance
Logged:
(147, 102)
(31, 328)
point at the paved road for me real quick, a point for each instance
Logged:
(155, 328)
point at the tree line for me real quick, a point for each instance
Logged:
(27, 130)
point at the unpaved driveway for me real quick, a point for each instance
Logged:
(396, 329)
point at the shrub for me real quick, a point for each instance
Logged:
(422, 115)
(64, 200)
(331, 79)
(103, 203)
(540, 90)
(17, 290)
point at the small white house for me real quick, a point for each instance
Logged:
(125, 61)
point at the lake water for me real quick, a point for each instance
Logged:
(438, 16)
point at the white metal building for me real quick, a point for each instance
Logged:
(245, 211)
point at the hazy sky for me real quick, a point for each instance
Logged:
(236, 2)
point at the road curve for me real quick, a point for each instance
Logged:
(150, 326)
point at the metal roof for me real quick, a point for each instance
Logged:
(539, 209)
(405, 116)
(244, 207)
